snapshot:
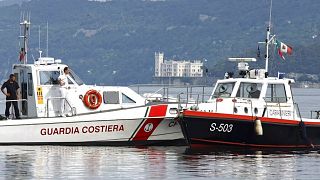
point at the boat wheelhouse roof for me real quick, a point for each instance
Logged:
(257, 80)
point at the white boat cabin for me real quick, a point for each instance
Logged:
(253, 95)
(41, 96)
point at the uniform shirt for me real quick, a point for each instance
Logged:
(12, 88)
(63, 80)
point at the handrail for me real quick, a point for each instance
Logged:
(317, 114)
(172, 87)
(52, 98)
(195, 94)
(278, 105)
(166, 85)
(179, 103)
(18, 100)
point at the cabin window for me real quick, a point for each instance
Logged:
(30, 85)
(111, 97)
(126, 99)
(49, 77)
(69, 81)
(249, 90)
(276, 93)
(224, 90)
(75, 77)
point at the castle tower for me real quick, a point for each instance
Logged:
(158, 60)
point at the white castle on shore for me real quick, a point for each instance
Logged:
(172, 68)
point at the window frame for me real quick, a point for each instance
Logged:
(49, 80)
(105, 95)
(243, 86)
(275, 99)
(218, 94)
(124, 95)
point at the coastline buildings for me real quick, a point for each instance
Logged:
(172, 68)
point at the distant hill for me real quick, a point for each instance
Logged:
(113, 41)
(11, 2)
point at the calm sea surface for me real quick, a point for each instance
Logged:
(77, 162)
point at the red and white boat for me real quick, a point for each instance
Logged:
(95, 115)
(252, 110)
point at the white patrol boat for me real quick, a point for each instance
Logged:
(252, 110)
(95, 115)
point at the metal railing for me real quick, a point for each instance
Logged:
(251, 109)
(317, 114)
(12, 108)
(195, 98)
(73, 110)
(168, 91)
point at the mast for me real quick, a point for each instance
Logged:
(268, 41)
(268, 38)
(47, 39)
(25, 24)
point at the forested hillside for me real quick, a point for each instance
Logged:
(113, 42)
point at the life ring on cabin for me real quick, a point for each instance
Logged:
(92, 99)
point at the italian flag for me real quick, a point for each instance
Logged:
(283, 48)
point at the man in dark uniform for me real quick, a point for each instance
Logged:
(12, 94)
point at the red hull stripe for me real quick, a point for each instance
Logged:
(250, 145)
(151, 124)
(243, 117)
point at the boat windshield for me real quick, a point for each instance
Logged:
(223, 90)
(249, 90)
(76, 78)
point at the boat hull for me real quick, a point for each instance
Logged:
(214, 129)
(147, 125)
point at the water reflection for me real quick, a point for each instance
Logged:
(17, 166)
(252, 164)
(53, 162)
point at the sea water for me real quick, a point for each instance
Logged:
(171, 162)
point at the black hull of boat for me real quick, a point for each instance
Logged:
(238, 132)
(176, 142)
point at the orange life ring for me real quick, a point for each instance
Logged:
(92, 99)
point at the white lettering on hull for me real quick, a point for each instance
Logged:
(274, 112)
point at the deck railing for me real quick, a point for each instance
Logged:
(73, 110)
(12, 108)
(169, 92)
(250, 109)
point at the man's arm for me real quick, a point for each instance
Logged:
(4, 85)
(18, 91)
(61, 83)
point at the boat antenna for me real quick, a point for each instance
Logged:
(40, 52)
(26, 27)
(268, 41)
(268, 38)
(47, 39)
(39, 37)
